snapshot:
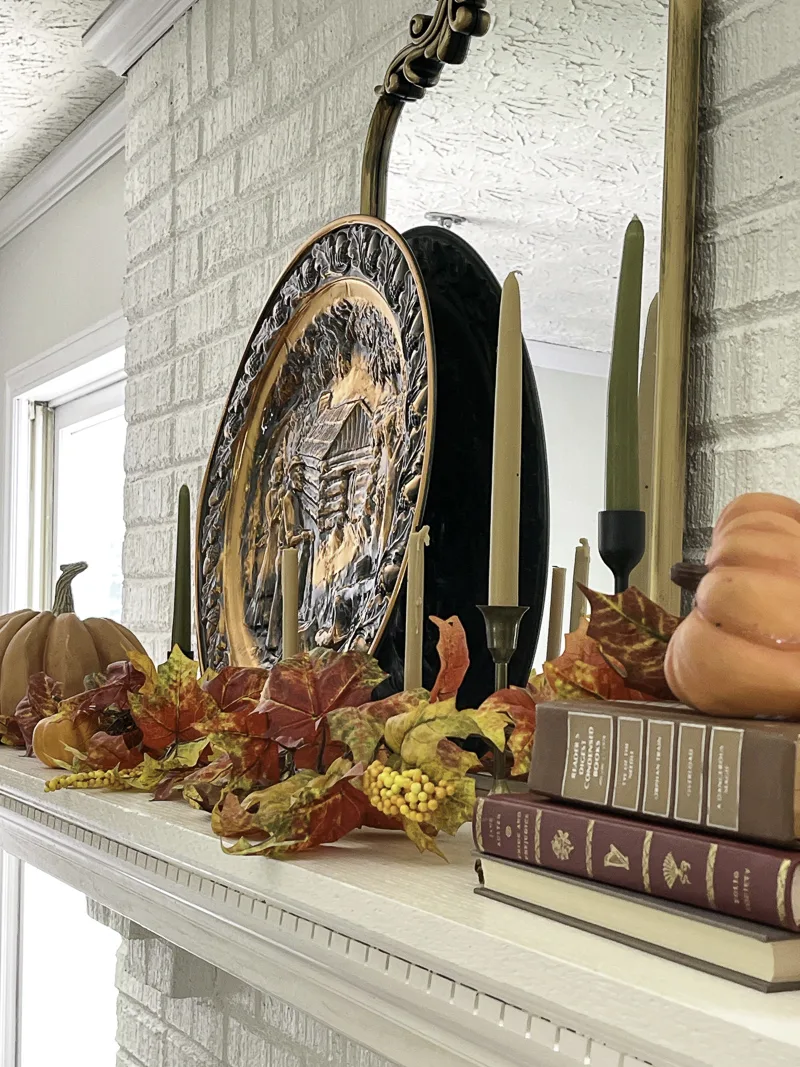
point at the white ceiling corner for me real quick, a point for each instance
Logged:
(94, 142)
(127, 28)
(48, 83)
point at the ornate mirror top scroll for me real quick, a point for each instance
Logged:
(323, 447)
(435, 40)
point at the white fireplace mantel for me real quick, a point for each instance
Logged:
(392, 949)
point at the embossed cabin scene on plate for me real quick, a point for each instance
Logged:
(322, 449)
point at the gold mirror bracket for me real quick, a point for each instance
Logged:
(443, 37)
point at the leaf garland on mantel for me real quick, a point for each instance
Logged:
(288, 759)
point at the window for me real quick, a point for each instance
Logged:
(63, 491)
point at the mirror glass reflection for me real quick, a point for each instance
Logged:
(545, 143)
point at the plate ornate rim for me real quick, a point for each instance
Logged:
(290, 291)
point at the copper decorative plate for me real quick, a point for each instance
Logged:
(323, 446)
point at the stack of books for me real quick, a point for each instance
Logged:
(659, 828)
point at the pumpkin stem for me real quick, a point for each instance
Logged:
(63, 601)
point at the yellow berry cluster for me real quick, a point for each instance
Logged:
(88, 780)
(408, 794)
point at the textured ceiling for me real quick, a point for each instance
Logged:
(547, 141)
(48, 84)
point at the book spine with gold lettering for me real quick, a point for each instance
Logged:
(734, 878)
(664, 762)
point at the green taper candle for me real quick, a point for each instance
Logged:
(182, 609)
(622, 441)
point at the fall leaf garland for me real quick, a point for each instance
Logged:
(288, 759)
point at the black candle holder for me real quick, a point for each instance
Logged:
(621, 543)
(502, 637)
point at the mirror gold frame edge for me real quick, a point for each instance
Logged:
(666, 517)
(444, 37)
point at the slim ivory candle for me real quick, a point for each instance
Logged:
(291, 595)
(580, 574)
(555, 630)
(504, 550)
(415, 608)
(622, 441)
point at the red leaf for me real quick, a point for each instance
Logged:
(633, 633)
(41, 700)
(583, 671)
(237, 690)
(106, 751)
(120, 680)
(520, 706)
(168, 712)
(453, 656)
(300, 692)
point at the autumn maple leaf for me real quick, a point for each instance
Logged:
(301, 692)
(105, 751)
(453, 658)
(582, 671)
(171, 704)
(237, 727)
(295, 815)
(633, 632)
(41, 700)
(520, 706)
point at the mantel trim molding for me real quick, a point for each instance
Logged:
(127, 28)
(86, 149)
(431, 974)
(372, 995)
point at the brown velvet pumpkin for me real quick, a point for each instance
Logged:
(57, 642)
(738, 652)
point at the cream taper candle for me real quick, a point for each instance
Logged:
(504, 545)
(580, 574)
(291, 595)
(415, 608)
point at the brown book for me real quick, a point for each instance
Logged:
(731, 877)
(662, 761)
(744, 952)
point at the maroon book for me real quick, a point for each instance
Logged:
(728, 876)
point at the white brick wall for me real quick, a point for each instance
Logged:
(175, 1010)
(744, 414)
(247, 122)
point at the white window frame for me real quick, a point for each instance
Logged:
(70, 383)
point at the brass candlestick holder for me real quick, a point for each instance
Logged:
(502, 637)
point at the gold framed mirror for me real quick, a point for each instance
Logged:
(543, 82)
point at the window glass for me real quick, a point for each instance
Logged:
(68, 1011)
(89, 484)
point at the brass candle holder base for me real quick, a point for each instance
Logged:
(502, 637)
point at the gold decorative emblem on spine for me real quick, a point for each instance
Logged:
(479, 822)
(675, 872)
(615, 858)
(648, 841)
(537, 837)
(589, 837)
(780, 895)
(711, 860)
(561, 845)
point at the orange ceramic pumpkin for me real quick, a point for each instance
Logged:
(55, 736)
(738, 652)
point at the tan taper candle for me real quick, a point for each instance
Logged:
(291, 595)
(580, 574)
(415, 608)
(555, 632)
(647, 403)
(504, 550)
